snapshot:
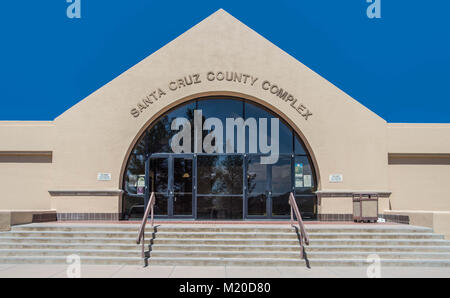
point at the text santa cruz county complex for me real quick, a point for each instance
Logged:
(225, 76)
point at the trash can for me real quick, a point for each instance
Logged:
(365, 207)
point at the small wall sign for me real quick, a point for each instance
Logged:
(104, 177)
(336, 178)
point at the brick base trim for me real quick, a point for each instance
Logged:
(44, 217)
(335, 217)
(88, 216)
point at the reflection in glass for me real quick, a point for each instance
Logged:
(307, 206)
(257, 205)
(280, 205)
(182, 186)
(221, 109)
(220, 174)
(159, 175)
(281, 175)
(133, 207)
(182, 204)
(303, 175)
(285, 132)
(299, 147)
(256, 186)
(161, 133)
(216, 207)
(135, 173)
(161, 204)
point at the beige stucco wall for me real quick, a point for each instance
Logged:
(418, 138)
(419, 166)
(25, 165)
(86, 204)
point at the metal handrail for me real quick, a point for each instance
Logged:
(148, 211)
(304, 237)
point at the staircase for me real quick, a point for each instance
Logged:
(230, 244)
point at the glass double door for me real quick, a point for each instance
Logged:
(227, 187)
(268, 187)
(172, 180)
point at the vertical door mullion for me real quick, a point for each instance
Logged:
(244, 187)
(194, 186)
(269, 191)
(170, 187)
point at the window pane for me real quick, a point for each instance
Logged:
(161, 204)
(257, 205)
(139, 149)
(159, 175)
(220, 174)
(256, 176)
(281, 175)
(135, 175)
(182, 175)
(285, 133)
(307, 206)
(182, 204)
(219, 208)
(222, 109)
(299, 147)
(133, 207)
(161, 133)
(280, 205)
(304, 179)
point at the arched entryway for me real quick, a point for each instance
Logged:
(200, 166)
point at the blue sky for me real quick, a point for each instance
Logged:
(398, 66)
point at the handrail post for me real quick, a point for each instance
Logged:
(148, 212)
(304, 238)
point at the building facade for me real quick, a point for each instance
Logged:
(162, 126)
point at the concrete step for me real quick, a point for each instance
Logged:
(58, 234)
(220, 235)
(226, 241)
(227, 262)
(379, 248)
(238, 244)
(63, 260)
(312, 229)
(293, 262)
(231, 247)
(383, 242)
(56, 240)
(296, 255)
(383, 262)
(382, 255)
(226, 255)
(226, 235)
(67, 252)
(114, 246)
(295, 241)
(295, 248)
